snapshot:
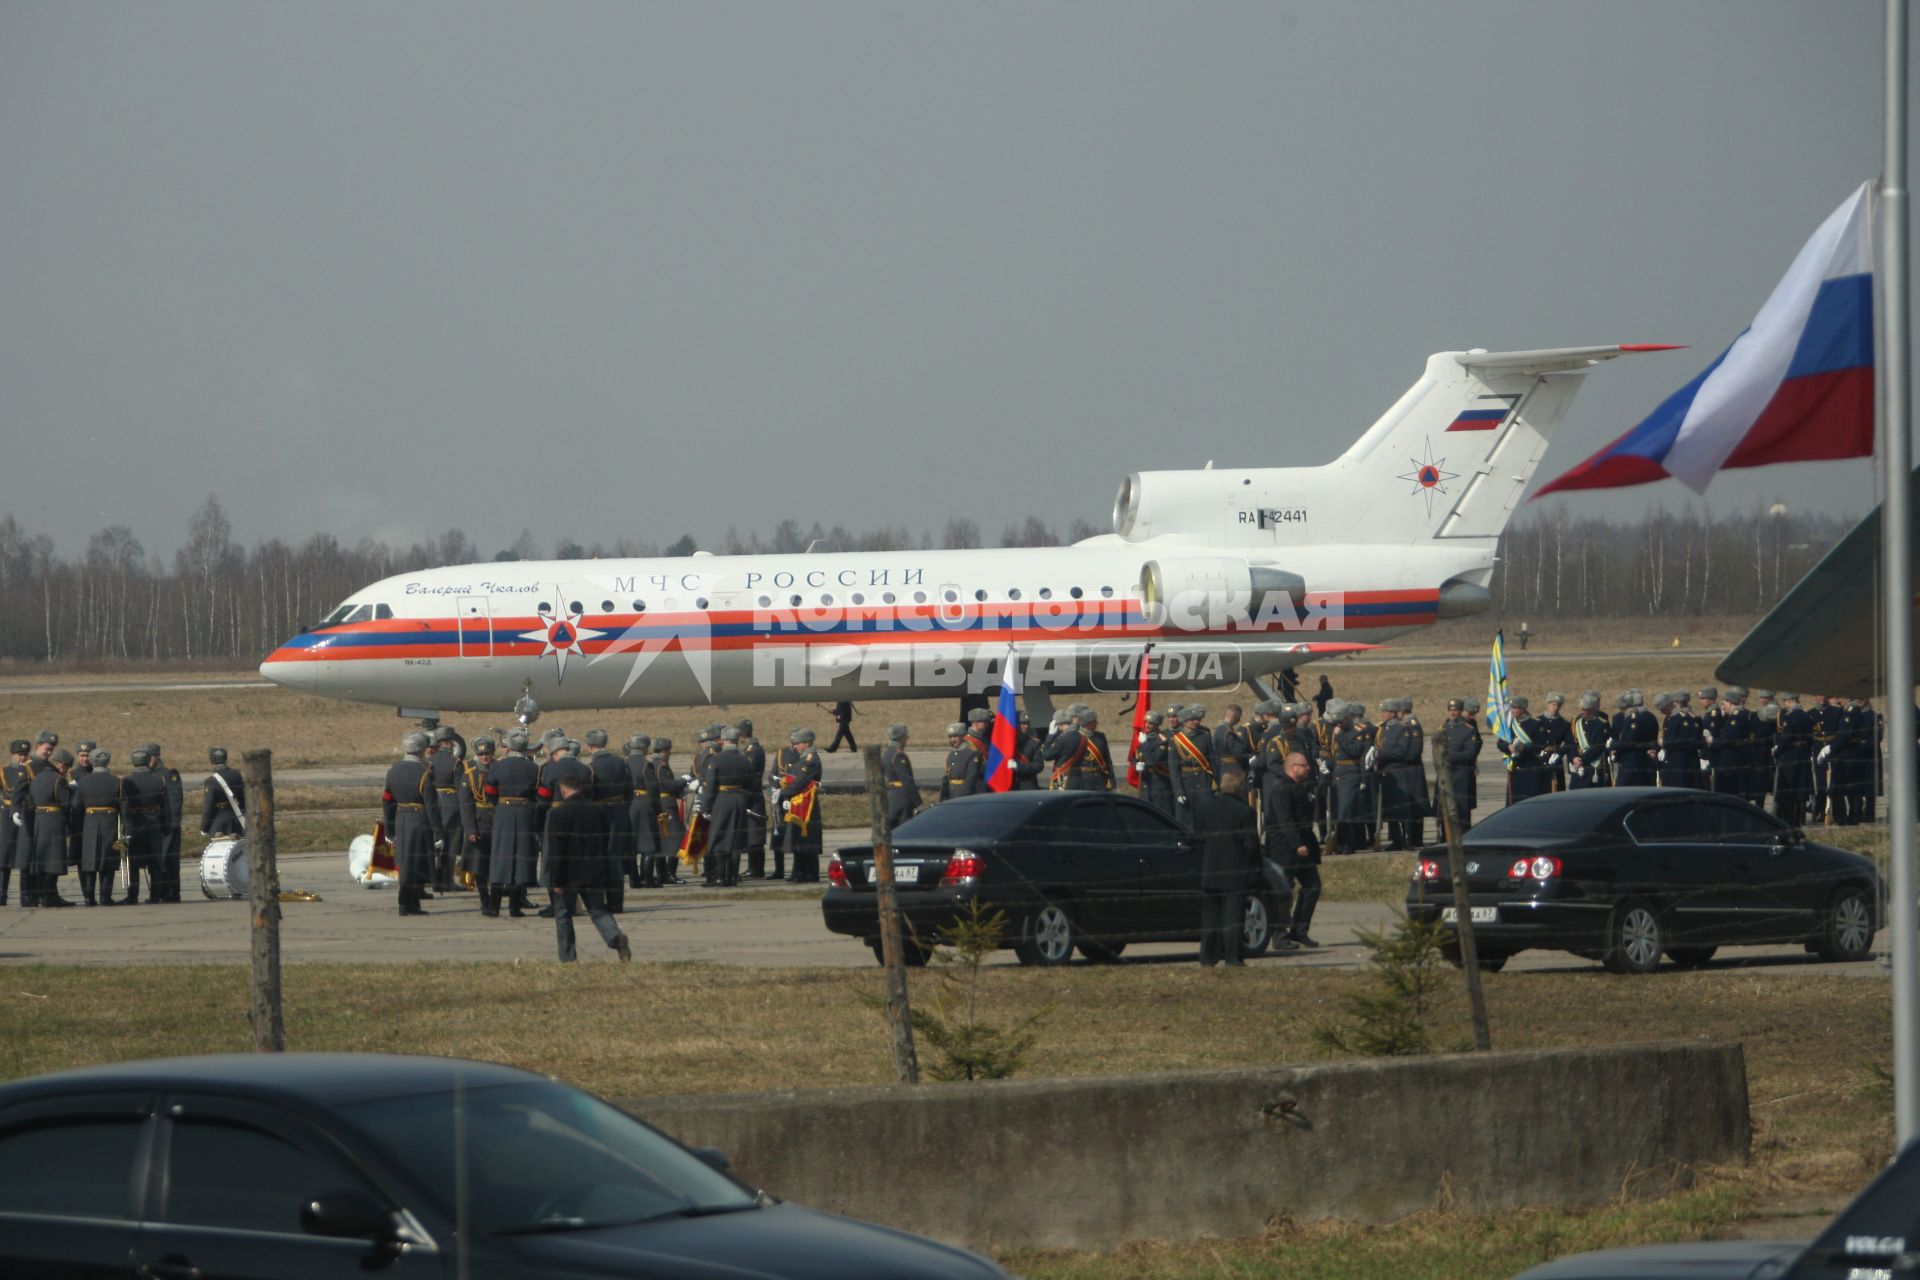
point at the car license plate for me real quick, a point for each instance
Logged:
(1480, 915)
(907, 875)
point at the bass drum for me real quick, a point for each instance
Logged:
(224, 872)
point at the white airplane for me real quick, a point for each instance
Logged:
(1226, 574)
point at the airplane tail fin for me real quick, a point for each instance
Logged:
(1451, 459)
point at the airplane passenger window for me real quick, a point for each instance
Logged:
(1013, 594)
(1046, 593)
(545, 607)
(765, 601)
(1076, 593)
(639, 606)
(826, 599)
(980, 594)
(382, 612)
(794, 601)
(573, 606)
(919, 597)
(858, 598)
(951, 596)
(887, 598)
(1106, 592)
(700, 603)
(606, 606)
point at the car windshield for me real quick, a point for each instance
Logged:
(1530, 820)
(964, 820)
(522, 1158)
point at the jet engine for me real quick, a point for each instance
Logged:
(1206, 593)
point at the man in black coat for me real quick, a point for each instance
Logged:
(144, 802)
(1229, 862)
(577, 839)
(406, 807)
(731, 779)
(896, 770)
(1291, 841)
(223, 807)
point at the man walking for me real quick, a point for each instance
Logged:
(577, 836)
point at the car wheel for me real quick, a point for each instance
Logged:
(1634, 938)
(1101, 952)
(1848, 931)
(1690, 957)
(1258, 933)
(912, 954)
(1047, 936)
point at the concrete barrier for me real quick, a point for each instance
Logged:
(1094, 1161)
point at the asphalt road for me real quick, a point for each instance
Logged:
(758, 926)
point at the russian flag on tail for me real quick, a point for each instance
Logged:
(1006, 728)
(1797, 386)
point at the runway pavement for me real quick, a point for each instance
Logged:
(772, 925)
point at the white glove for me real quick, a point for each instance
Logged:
(1662, 756)
(1707, 738)
(1824, 753)
(1554, 758)
(18, 821)
(786, 805)
(1324, 770)
(1372, 755)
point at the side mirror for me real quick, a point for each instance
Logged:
(715, 1158)
(348, 1214)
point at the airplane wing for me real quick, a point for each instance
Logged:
(1824, 636)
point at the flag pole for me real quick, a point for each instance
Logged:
(1903, 922)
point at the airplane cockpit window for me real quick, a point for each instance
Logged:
(382, 612)
(349, 612)
(338, 616)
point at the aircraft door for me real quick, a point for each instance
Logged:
(476, 627)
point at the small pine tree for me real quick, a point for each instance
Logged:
(968, 1048)
(1391, 1019)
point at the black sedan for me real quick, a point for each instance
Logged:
(1086, 870)
(1867, 1238)
(296, 1165)
(1625, 874)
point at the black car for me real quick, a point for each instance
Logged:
(1870, 1237)
(1624, 874)
(1090, 870)
(292, 1165)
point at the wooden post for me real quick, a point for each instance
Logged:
(1462, 908)
(263, 1008)
(899, 1017)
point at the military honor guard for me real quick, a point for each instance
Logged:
(1195, 768)
(800, 803)
(1401, 757)
(513, 856)
(1829, 758)
(782, 834)
(643, 814)
(1356, 792)
(13, 779)
(896, 773)
(1526, 773)
(50, 815)
(1590, 762)
(223, 804)
(1553, 738)
(756, 837)
(443, 762)
(477, 807)
(964, 765)
(143, 800)
(672, 789)
(97, 816)
(1153, 763)
(610, 785)
(1460, 750)
(407, 807)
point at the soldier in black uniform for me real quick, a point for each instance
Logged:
(671, 788)
(222, 807)
(610, 786)
(1861, 768)
(1355, 787)
(406, 805)
(1156, 779)
(1636, 740)
(1711, 718)
(1026, 759)
(724, 802)
(81, 766)
(176, 813)
(444, 764)
(575, 837)
(1588, 759)
(1829, 753)
(979, 740)
(1792, 761)
(1460, 749)
(1554, 741)
(896, 771)
(513, 855)
(1680, 741)
(1526, 776)
(20, 810)
(13, 776)
(805, 775)
(1401, 746)
(1091, 768)
(781, 834)
(1759, 765)
(964, 765)
(143, 797)
(1326, 726)
(756, 838)
(1194, 764)
(1731, 742)
(477, 808)
(1232, 740)
(643, 814)
(50, 809)
(97, 814)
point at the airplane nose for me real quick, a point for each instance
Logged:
(294, 675)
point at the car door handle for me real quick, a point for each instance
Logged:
(171, 1267)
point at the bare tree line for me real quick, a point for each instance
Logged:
(218, 599)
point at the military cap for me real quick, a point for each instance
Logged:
(1624, 701)
(19, 746)
(516, 740)
(1473, 706)
(1661, 701)
(956, 730)
(1682, 697)
(102, 756)
(1590, 700)
(1025, 718)
(745, 727)
(1153, 718)
(1557, 697)
(596, 737)
(49, 737)
(1089, 716)
(216, 755)
(87, 745)
(483, 745)
(1406, 705)
(639, 742)
(573, 745)
(803, 735)
(1708, 693)
(1763, 693)
(979, 715)
(1734, 693)
(1075, 708)
(1517, 702)
(1389, 704)
(153, 749)
(662, 745)
(1061, 717)
(896, 733)
(1639, 697)
(1768, 715)
(1456, 704)
(1193, 712)
(552, 733)
(445, 733)
(729, 733)
(1336, 708)
(1787, 697)
(413, 743)
(63, 757)
(140, 758)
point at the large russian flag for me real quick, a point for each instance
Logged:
(1797, 386)
(1006, 727)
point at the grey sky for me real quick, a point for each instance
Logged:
(644, 268)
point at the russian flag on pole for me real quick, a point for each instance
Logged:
(1797, 386)
(1142, 703)
(1006, 727)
